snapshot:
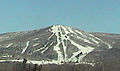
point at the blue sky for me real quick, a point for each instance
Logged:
(87, 15)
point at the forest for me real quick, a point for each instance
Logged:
(24, 66)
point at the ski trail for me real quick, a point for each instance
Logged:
(44, 47)
(78, 32)
(109, 46)
(35, 44)
(47, 48)
(55, 30)
(75, 32)
(27, 44)
(82, 49)
(51, 36)
(35, 38)
(95, 37)
(9, 45)
(64, 44)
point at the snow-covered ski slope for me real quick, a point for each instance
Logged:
(64, 34)
(69, 44)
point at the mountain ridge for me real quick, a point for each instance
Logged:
(57, 42)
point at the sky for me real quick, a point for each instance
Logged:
(87, 15)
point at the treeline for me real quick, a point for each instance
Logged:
(65, 67)
(53, 67)
(99, 66)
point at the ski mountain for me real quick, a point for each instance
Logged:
(57, 43)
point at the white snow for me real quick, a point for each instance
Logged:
(41, 48)
(68, 30)
(6, 56)
(27, 44)
(109, 46)
(62, 56)
(55, 30)
(64, 44)
(78, 32)
(35, 44)
(43, 62)
(33, 61)
(9, 45)
(44, 47)
(11, 60)
(72, 35)
(94, 40)
(84, 39)
(82, 49)
(35, 38)
(36, 51)
(95, 37)
(75, 32)
(47, 47)
(51, 36)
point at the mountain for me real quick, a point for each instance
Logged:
(57, 43)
